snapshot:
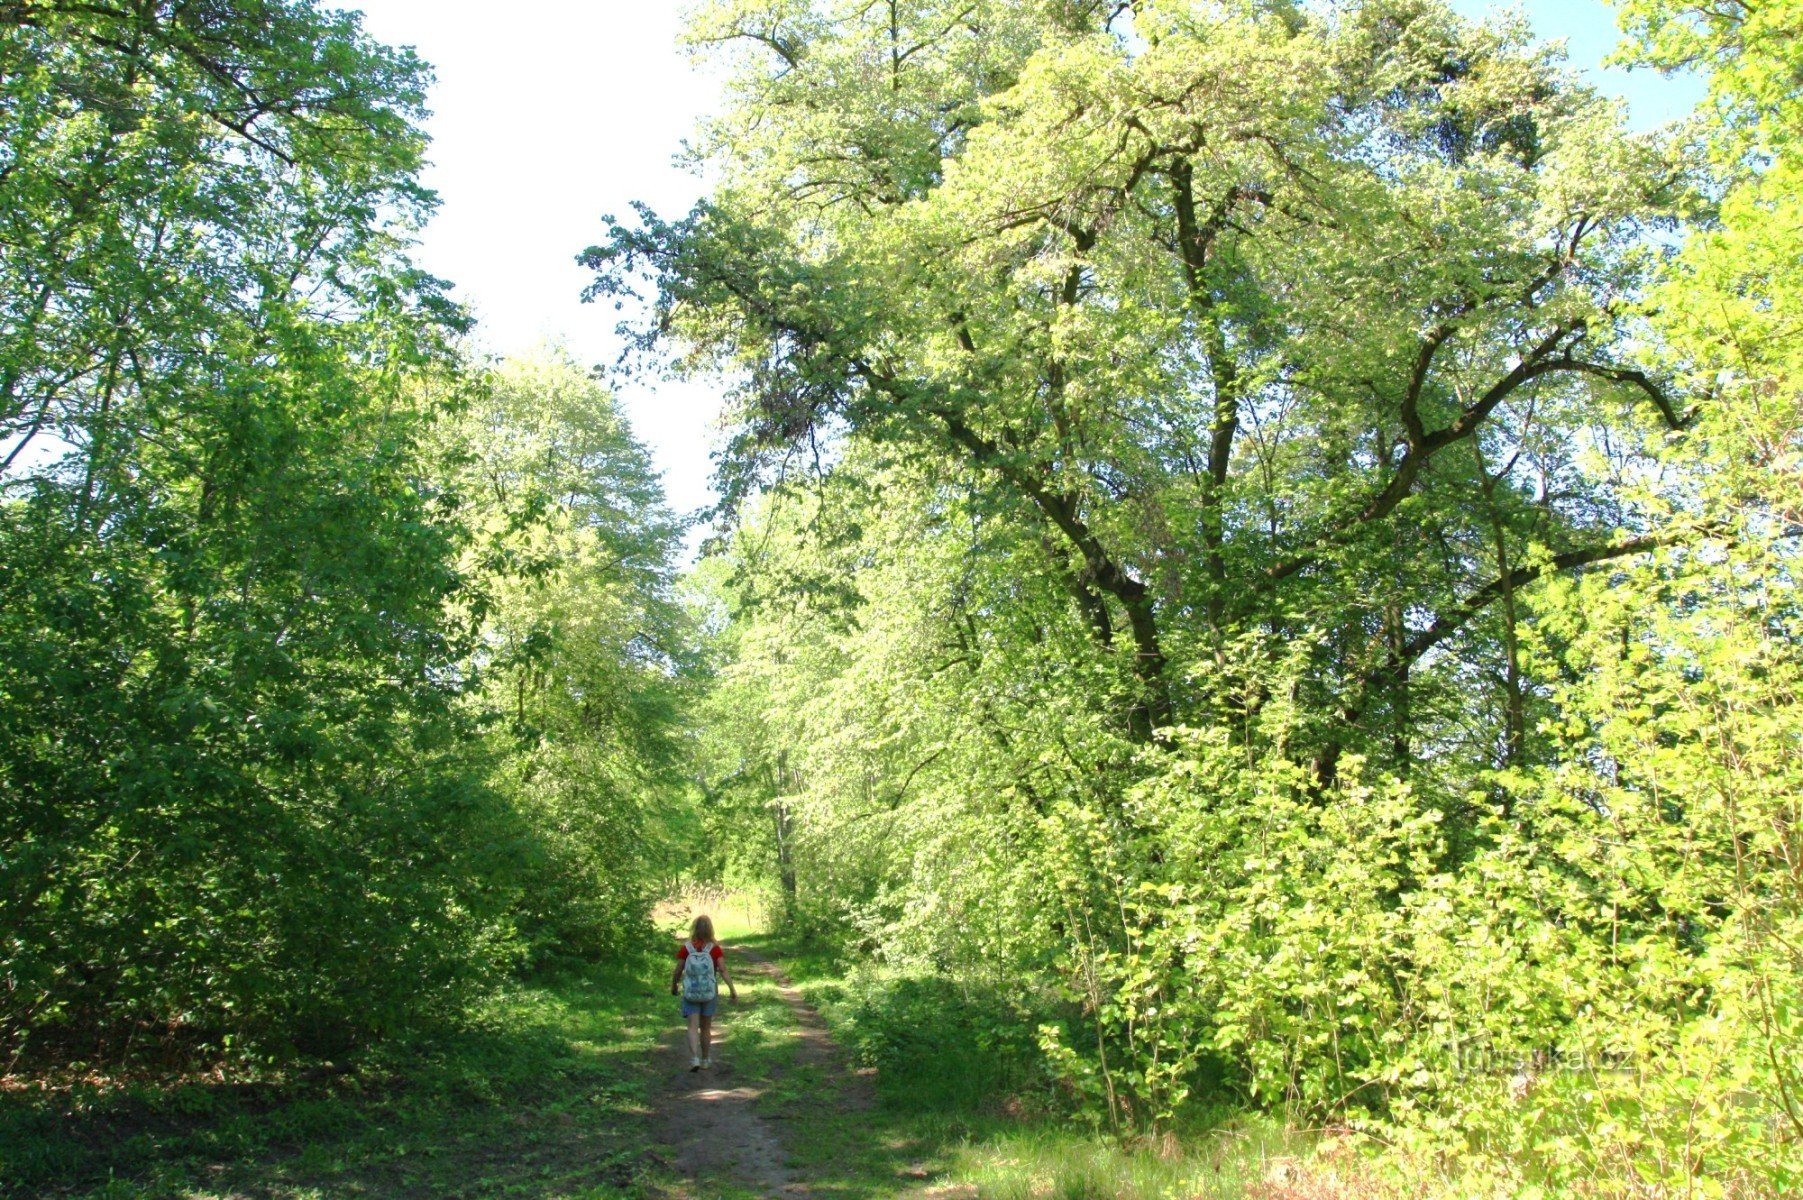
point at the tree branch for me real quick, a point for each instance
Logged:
(1660, 398)
(1533, 364)
(1454, 619)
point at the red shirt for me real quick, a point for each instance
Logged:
(682, 952)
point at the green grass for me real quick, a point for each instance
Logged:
(544, 1096)
(949, 1123)
(549, 1094)
(1045, 1163)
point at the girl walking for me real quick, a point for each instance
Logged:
(700, 969)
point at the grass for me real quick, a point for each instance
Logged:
(1232, 1161)
(935, 1134)
(550, 1094)
(544, 1096)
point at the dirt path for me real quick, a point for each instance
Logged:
(709, 1122)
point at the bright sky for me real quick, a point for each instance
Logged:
(549, 113)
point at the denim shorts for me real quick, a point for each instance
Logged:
(703, 1008)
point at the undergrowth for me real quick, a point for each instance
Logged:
(966, 1106)
(542, 1094)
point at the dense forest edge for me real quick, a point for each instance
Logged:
(1253, 603)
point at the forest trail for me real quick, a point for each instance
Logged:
(723, 1130)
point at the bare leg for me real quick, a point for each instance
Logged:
(707, 1033)
(697, 1039)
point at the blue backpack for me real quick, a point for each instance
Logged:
(698, 985)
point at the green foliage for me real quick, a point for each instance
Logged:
(1245, 520)
(581, 651)
(1726, 307)
(260, 608)
(1261, 320)
(237, 803)
(544, 1090)
(1672, 824)
(939, 1045)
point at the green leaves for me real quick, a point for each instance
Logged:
(236, 803)
(1197, 500)
(581, 654)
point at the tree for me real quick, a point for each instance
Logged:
(583, 656)
(1727, 306)
(1224, 296)
(1217, 530)
(238, 799)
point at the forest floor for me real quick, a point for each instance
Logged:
(578, 1088)
(546, 1095)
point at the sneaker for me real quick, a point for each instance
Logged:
(706, 1063)
(694, 1064)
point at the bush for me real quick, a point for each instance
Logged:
(938, 1045)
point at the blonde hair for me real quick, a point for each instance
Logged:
(702, 931)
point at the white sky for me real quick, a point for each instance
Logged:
(549, 113)
(546, 115)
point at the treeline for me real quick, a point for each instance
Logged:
(1267, 551)
(338, 667)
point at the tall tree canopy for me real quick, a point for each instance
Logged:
(1253, 309)
(582, 653)
(224, 679)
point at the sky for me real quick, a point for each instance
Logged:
(548, 114)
